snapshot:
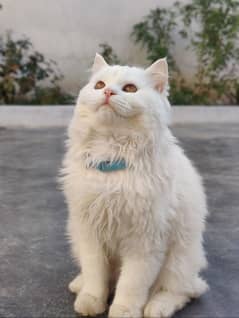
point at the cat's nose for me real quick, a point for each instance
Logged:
(109, 92)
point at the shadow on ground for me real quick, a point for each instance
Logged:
(35, 261)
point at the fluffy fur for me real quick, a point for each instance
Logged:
(139, 230)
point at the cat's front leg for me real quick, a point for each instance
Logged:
(92, 298)
(138, 273)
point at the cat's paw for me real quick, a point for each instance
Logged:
(120, 311)
(164, 305)
(76, 284)
(157, 310)
(88, 305)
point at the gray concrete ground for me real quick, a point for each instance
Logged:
(35, 263)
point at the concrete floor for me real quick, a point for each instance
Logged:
(35, 263)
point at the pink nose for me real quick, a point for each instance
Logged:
(109, 92)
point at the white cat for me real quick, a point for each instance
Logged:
(137, 207)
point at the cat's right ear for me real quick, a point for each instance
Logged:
(99, 63)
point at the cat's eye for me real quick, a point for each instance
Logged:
(99, 85)
(130, 88)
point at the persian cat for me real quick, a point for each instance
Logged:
(136, 203)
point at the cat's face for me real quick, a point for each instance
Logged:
(124, 92)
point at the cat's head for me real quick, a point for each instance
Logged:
(119, 93)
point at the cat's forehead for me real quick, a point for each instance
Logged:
(120, 74)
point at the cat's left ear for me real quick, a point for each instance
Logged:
(99, 63)
(159, 72)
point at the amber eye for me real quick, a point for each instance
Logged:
(130, 88)
(99, 85)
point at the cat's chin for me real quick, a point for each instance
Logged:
(105, 114)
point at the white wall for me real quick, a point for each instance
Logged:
(69, 31)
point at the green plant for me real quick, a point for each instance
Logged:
(154, 34)
(108, 53)
(45, 96)
(23, 70)
(212, 27)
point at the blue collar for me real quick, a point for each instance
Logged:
(109, 166)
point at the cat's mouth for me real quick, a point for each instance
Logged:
(109, 109)
(118, 108)
(104, 105)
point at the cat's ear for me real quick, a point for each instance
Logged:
(99, 63)
(159, 72)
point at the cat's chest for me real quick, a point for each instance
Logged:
(129, 180)
(114, 203)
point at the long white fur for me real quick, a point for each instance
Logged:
(139, 229)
